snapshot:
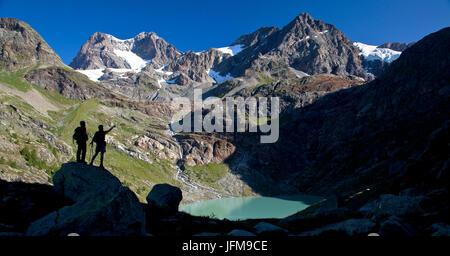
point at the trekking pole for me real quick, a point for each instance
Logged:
(90, 153)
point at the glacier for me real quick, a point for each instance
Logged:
(371, 52)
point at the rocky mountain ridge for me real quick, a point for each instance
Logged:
(21, 46)
(105, 51)
(305, 45)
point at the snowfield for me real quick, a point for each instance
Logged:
(216, 76)
(371, 52)
(232, 50)
(135, 62)
(161, 71)
(122, 48)
(93, 74)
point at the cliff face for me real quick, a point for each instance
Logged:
(21, 46)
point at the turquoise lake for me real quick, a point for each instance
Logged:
(241, 208)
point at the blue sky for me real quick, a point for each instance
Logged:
(202, 24)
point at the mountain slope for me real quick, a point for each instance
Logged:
(21, 46)
(305, 44)
(369, 135)
(105, 51)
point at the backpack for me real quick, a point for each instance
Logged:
(76, 135)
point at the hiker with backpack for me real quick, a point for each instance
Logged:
(81, 137)
(99, 139)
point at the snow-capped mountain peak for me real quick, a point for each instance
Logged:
(106, 51)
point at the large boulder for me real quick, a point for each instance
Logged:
(102, 206)
(164, 198)
(79, 181)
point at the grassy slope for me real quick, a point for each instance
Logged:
(139, 175)
(135, 173)
(208, 174)
(15, 80)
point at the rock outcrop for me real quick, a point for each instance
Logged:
(196, 66)
(67, 82)
(102, 206)
(21, 46)
(204, 149)
(23, 203)
(165, 199)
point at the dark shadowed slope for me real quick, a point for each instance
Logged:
(372, 134)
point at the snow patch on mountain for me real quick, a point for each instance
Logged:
(135, 62)
(216, 76)
(120, 40)
(232, 50)
(95, 74)
(161, 71)
(159, 82)
(92, 74)
(371, 52)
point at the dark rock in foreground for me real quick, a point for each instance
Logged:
(23, 203)
(103, 207)
(164, 198)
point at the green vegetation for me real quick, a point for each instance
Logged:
(32, 158)
(15, 79)
(265, 79)
(135, 173)
(156, 173)
(56, 98)
(208, 173)
(138, 175)
(258, 120)
(12, 164)
(53, 150)
(76, 114)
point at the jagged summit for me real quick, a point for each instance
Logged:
(255, 37)
(305, 44)
(106, 51)
(302, 18)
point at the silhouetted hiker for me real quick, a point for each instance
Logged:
(99, 139)
(81, 137)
